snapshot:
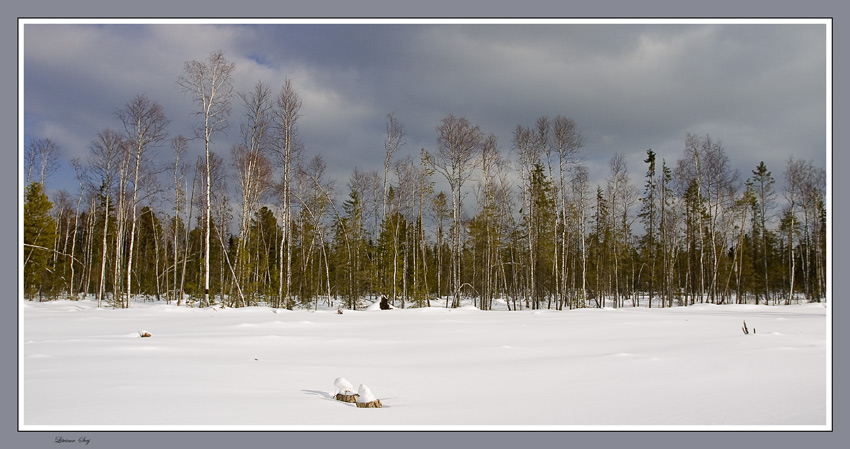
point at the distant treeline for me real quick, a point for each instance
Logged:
(538, 233)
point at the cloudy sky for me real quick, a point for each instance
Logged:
(759, 88)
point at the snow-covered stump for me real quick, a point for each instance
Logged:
(366, 399)
(344, 391)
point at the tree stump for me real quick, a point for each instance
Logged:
(372, 404)
(350, 398)
(144, 334)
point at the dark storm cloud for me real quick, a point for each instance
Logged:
(760, 88)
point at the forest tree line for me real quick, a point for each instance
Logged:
(264, 224)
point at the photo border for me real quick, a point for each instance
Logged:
(495, 439)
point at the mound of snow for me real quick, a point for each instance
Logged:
(342, 385)
(365, 394)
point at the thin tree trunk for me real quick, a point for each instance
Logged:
(156, 257)
(133, 225)
(103, 252)
(188, 243)
(71, 291)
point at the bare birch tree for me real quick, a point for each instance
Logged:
(492, 166)
(580, 190)
(210, 84)
(795, 175)
(104, 151)
(315, 201)
(253, 169)
(394, 140)
(622, 195)
(813, 197)
(567, 140)
(402, 210)
(43, 154)
(178, 144)
(80, 172)
(285, 113)
(530, 155)
(145, 124)
(458, 145)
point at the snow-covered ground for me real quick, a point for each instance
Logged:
(259, 368)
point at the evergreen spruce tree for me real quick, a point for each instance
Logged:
(39, 234)
(666, 232)
(648, 217)
(764, 197)
(349, 245)
(542, 214)
(600, 247)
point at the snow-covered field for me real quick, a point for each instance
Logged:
(260, 368)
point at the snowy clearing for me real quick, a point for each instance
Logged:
(435, 368)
